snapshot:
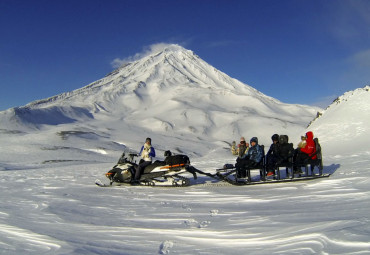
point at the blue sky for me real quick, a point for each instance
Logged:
(298, 51)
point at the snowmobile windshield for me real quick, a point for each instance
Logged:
(127, 155)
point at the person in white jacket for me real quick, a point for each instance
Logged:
(147, 154)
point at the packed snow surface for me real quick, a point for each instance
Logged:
(49, 203)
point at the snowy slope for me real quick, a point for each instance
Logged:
(53, 150)
(348, 118)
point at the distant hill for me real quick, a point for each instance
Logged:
(346, 120)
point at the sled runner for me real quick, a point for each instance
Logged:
(230, 177)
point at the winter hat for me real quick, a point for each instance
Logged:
(242, 139)
(148, 140)
(254, 139)
(275, 137)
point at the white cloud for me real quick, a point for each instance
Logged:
(358, 71)
(147, 50)
(362, 59)
(349, 19)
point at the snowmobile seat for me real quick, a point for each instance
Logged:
(155, 164)
(170, 162)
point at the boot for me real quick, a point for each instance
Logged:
(238, 173)
(243, 173)
(135, 182)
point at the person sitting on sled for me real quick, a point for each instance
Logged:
(302, 143)
(147, 153)
(285, 151)
(272, 155)
(242, 148)
(302, 155)
(249, 160)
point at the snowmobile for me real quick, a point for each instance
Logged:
(159, 173)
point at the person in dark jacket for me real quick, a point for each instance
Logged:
(251, 159)
(285, 151)
(272, 155)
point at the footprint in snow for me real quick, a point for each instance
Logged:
(186, 207)
(214, 213)
(191, 223)
(204, 224)
(165, 247)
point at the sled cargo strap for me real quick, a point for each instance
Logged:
(168, 167)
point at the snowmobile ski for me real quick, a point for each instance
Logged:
(101, 184)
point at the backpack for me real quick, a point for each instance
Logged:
(177, 160)
(318, 153)
(318, 148)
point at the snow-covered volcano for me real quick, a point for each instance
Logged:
(172, 92)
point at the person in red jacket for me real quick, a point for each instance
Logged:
(306, 153)
(310, 147)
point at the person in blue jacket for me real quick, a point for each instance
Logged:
(147, 154)
(251, 159)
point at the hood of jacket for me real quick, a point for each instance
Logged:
(254, 139)
(309, 135)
